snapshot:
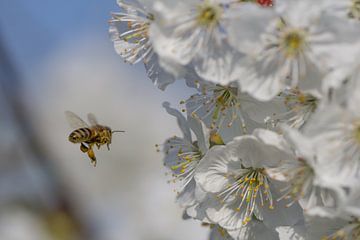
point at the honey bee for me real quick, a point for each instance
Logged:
(89, 135)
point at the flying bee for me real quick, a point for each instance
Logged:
(89, 135)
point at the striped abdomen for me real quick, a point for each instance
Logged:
(80, 135)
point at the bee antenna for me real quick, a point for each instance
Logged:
(117, 131)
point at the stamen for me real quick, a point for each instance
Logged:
(218, 103)
(136, 45)
(251, 185)
(300, 107)
(292, 42)
(187, 157)
(208, 15)
(299, 178)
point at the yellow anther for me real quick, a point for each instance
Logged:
(215, 139)
(293, 42)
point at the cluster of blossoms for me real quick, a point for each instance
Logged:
(270, 145)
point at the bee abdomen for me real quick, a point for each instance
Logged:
(80, 135)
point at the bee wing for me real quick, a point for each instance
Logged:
(92, 119)
(75, 121)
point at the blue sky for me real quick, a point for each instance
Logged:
(37, 30)
(33, 29)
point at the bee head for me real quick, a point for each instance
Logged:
(107, 135)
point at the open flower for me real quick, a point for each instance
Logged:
(236, 174)
(183, 155)
(309, 176)
(299, 107)
(191, 32)
(226, 109)
(291, 45)
(216, 105)
(129, 30)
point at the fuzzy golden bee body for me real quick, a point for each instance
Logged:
(89, 135)
(81, 135)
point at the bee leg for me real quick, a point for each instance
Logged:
(108, 146)
(91, 155)
(98, 145)
(83, 148)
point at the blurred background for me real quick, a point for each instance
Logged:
(57, 56)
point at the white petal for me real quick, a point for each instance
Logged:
(182, 122)
(210, 172)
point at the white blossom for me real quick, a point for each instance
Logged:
(129, 30)
(222, 108)
(310, 179)
(191, 33)
(271, 139)
(183, 155)
(336, 131)
(291, 45)
(236, 175)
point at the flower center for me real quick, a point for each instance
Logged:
(182, 158)
(296, 100)
(208, 15)
(293, 42)
(354, 11)
(246, 192)
(356, 132)
(188, 157)
(226, 96)
(299, 108)
(300, 179)
(217, 106)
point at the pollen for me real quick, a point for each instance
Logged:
(293, 42)
(215, 139)
(208, 15)
(249, 190)
(186, 157)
